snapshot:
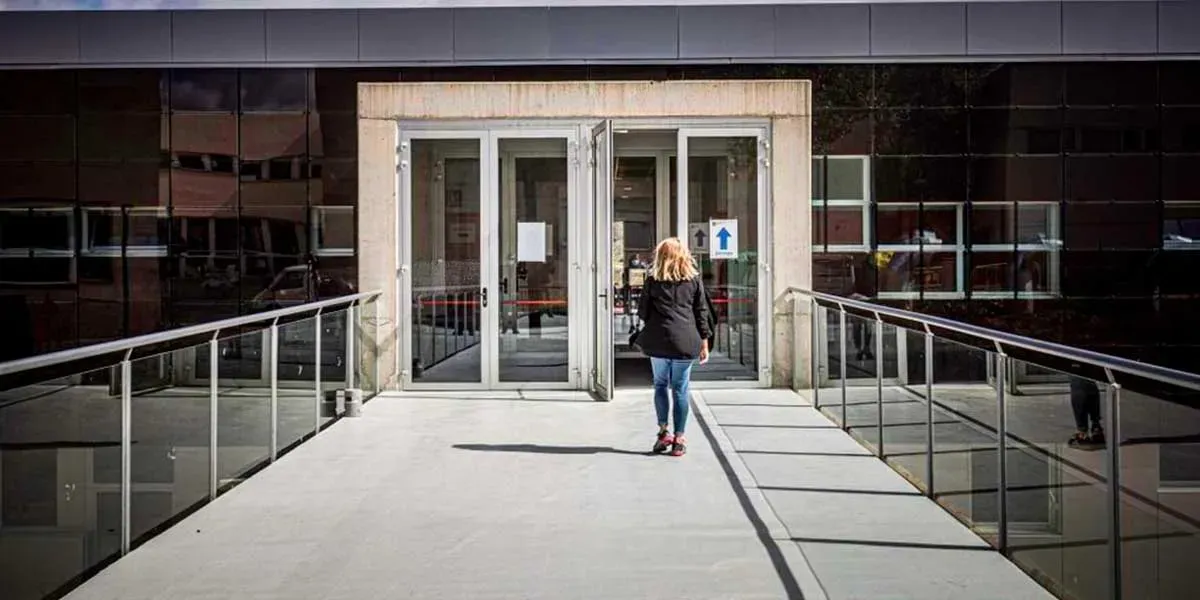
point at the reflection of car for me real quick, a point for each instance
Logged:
(297, 285)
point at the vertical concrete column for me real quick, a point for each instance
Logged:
(791, 244)
(377, 243)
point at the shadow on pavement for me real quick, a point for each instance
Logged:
(536, 449)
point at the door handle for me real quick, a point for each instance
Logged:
(483, 296)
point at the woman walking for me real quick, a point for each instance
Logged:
(674, 310)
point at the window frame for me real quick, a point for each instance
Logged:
(863, 204)
(958, 248)
(36, 252)
(316, 218)
(1052, 248)
(90, 249)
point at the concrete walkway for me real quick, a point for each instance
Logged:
(552, 496)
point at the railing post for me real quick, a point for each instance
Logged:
(879, 379)
(842, 361)
(273, 348)
(1112, 450)
(351, 325)
(375, 354)
(126, 452)
(814, 360)
(929, 412)
(1002, 448)
(317, 376)
(214, 357)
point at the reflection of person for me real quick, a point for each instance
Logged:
(862, 286)
(1085, 404)
(677, 328)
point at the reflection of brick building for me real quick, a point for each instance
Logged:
(156, 201)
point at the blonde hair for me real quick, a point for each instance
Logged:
(673, 261)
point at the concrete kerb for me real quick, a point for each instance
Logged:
(810, 586)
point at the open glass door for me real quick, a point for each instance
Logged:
(443, 220)
(602, 261)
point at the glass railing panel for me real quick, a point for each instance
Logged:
(1058, 525)
(366, 361)
(170, 450)
(60, 482)
(297, 398)
(243, 406)
(966, 474)
(829, 347)
(333, 360)
(1160, 493)
(906, 411)
(862, 365)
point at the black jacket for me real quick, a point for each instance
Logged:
(676, 317)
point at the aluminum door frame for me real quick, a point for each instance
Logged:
(404, 226)
(576, 304)
(762, 135)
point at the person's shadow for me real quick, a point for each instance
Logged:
(539, 449)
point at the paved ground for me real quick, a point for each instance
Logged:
(553, 496)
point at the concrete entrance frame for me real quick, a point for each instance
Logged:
(786, 104)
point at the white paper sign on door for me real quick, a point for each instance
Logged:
(724, 241)
(531, 242)
(698, 237)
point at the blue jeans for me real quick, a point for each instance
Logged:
(673, 374)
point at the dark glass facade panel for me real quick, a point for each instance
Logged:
(1016, 178)
(274, 90)
(1181, 129)
(937, 273)
(992, 272)
(1016, 131)
(49, 92)
(1181, 177)
(840, 86)
(1111, 131)
(199, 90)
(912, 224)
(124, 184)
(924, 86)
(334, 135)
(122, 136)
(912, 179)
(37, 138)
(1111, 84)
(22, 182)
(1015, 84)
(1107, 274)
(1176, 273)
(842, 132)
(992, 223)
(1179, 83)
(921, 131)
(1112, 226)
(123, 91)
(1112, 178)
(334, 183)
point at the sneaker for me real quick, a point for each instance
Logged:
(664, 441)
(1086, 441)
(679, 448)
(1097, 438)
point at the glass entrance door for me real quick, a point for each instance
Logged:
(604, 261)
(443, 217)
(534, 192)
(722, 183)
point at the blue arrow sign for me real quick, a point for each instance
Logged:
(723, 238)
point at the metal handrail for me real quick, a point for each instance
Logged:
(1000, 339)
(162, 337)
